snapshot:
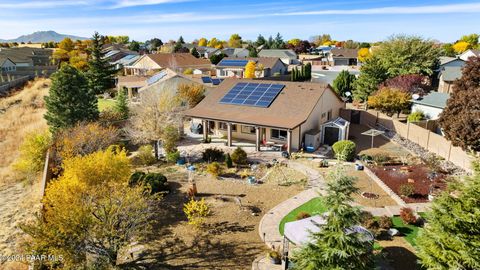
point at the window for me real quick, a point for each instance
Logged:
(329, 115)
(278, 134)
(248, 129)
(223, 126)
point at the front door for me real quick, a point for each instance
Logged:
(331, 135)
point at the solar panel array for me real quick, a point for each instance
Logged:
(206, 80)
(252, 94)
(155, 78)
(232, 63)
(216, 81)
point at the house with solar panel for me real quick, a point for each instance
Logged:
(235, 67)
(280, 115)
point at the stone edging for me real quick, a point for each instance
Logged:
(385, 188)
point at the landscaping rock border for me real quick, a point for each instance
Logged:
(385, 188)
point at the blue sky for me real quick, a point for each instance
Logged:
(362, 20)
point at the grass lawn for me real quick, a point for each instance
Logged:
(410, 232)
(105, 104)
(314, 206)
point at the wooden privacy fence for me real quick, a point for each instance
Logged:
(425, 138)
(7, 85)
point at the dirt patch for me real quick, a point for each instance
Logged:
(229, 239)
(419, 176)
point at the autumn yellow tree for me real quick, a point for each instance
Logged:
(202, 42)
(235, 41)
(213, 42)
(294, 42)
(389, 101)
(191, 94)
(364, 54)
(250, 69)
(461, 46)
(66, 44)
(32, 154)
(90, 212)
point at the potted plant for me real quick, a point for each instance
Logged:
(274, 256)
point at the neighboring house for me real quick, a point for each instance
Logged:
(288, 57)
(236, 52)
(6, 65)
(469, 53)
(169, 80)
(235, 67)
(132, 84)
(127, 60)
(115, 55)
(431, 105)
(343, 57)
(447, 77)
(268, 112)
(149, 64)
(28, 57)
(446, 61)
(207, 52)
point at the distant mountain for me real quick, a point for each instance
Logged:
(42, 36)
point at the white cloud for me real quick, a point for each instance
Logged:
(134, 3)
(432, 9)
(39, 4)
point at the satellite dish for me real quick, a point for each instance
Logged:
(415, 96)
(348, 94)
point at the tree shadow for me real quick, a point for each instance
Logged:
(401, 258)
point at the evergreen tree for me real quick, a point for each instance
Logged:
(372, 73)
(333, 247)
(134, 46)
(294, 74)
(270, 43)
(260, 41)
(252, 51)
(302, 76)
(121, 104)
(69, 100)
(344, 83)
(195, 53)
(460, 118)
(308, 71)
(278, 43)
(451, 238)
(100, 74)
(180, 40)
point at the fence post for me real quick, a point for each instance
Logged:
(449, 151)
(428, 139)
(408, 129)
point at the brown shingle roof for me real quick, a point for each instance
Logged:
(267, 62)
(344, 53)
(291, 108)
(179, 60)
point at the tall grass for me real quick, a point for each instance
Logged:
(20, 114)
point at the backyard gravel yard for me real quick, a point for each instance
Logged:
(229, 239)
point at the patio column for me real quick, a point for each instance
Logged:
(257, 139)
(229, 134)
(205, 129)
(289, 141)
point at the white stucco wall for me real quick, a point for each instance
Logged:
(431, 113)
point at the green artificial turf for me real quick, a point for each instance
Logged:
(313, 207)
(105, 104)
(409, 231)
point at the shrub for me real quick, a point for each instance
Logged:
(145, 155)
(302, 215)
(244, 174)
(196, 211)
(188, 71)
(239, 156)
(212, 154)
(385, 222)
(173, 157)
(228, 161)
(215, 169)
(407, 216)
(366, 217)
(415, 116)
(32, 153)
(407, 190)
(156, 182)
(344, 150)
(381, 158)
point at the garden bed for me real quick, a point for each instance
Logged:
(419, 176)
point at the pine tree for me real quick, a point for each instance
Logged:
(333, 247)
(180, 40)
(195, 53)
(121, 104)
(69, 100)
(451, 238)
(459, 119)
(308, 71)
(294, 74)
(372, 73)
(100, 74)
(302, 76)
(344, 83)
